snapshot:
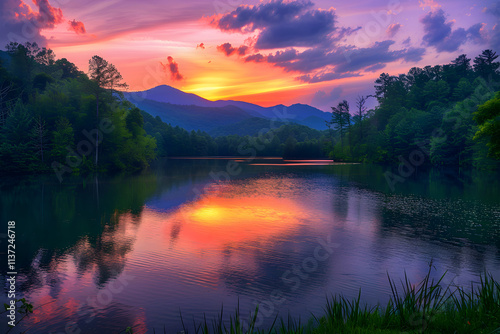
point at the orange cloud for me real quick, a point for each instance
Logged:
(77, 27)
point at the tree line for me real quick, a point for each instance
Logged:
(447, 112)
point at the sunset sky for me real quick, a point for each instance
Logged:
(264, 52)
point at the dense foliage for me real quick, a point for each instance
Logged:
(429, 115)
(48, 118)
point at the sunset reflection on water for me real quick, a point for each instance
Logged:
(231, 245)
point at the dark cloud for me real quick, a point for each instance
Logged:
(494, 38)
(494, 9)
(375, 67)
(393, 29)
(475, 33)
(440, 34)
(173, 68)
(435, 27)
(228, 49)
(281, 24)
(309, 29)
(283, 56)
(249, 18)
(407, 42)
(256, 58)
(308, 39)
(200, 46)
(413, 54)
(320, 64)
(77, 27)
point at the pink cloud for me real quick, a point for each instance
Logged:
(77, 26)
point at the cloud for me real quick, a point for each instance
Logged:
(201, 46)
(320, 64)
(47, 16)
(173, 68)
(374, 67)
(413, 54)
(21, 23)
(407, 42)
(429, 3)
(476, 33)
(77, 27)
(393, 29)
(281, 24)
(321, 98)
(256, 58)
(494, 9)
(249, 18)
(439, 33)
(228, 49)
(307, 41)
(494, 38)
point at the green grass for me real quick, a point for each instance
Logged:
(427, 307)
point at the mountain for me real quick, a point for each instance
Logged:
(168, 94)
(191, 111)
(191, 117)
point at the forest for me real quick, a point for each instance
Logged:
(447, 115)
(56, 118)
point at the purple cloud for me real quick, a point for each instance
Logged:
(439, 33)
(308, 40)
(281, 24)
(228, 49)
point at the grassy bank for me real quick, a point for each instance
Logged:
(427, 307)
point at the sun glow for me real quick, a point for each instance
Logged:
(218, 221)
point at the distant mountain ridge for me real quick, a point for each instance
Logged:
(193, 112)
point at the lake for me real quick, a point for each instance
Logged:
(188, 236)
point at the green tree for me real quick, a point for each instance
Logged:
(488, 119)
(39, 137)
(104, 76)
(16, 148)
(62, 137)
(485, 65)
(341, 119)
(463, 90)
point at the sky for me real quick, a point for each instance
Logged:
(267, 52)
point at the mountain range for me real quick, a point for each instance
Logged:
(193, 112)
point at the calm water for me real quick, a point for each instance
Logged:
(98, 255)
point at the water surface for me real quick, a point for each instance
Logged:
(189, 236)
